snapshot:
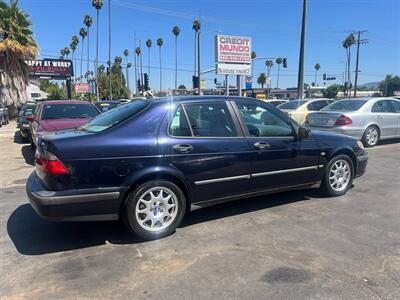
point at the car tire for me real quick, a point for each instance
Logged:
(155, 209)
(371, 136)
(338, 177)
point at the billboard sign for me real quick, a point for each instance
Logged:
(233, 69)
(82, 88)
(50, 68)
(233, 49)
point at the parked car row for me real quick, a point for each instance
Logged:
(149, 162)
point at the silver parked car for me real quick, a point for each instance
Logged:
(367, 119)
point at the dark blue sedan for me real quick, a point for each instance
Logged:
(148, 162)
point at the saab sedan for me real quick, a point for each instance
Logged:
(149, 162)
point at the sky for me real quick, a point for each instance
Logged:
(273, 25)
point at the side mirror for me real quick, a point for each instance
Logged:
(30, 118)
(303, 132)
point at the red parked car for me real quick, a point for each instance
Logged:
(59, 115)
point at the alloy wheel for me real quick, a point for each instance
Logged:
(156, 209)
(340, 175)
(371, 136)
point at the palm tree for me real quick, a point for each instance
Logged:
(279, 62)
(67, 51)
(83, 34)
(176, 31)
(16, 44)
(149, 43)
(262, 79)
(160, 44)
(196, 27)
(88, 21)
(97, 4)
(62, 53)
(73, 45)
(126, 54)
(347, 43)
(316, 67)
(138, 52)
(269, 63)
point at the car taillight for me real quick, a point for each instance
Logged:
(49, 163)
(343, 121)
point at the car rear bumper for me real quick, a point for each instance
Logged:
(73, 205)
(362, 162)
(356, 133)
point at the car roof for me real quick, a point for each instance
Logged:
(64, 102)
(180, 99)
(108, 101)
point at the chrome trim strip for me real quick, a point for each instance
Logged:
(285, 171)
(202, 182)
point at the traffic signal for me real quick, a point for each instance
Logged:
(284, 62)
(195, 82)
(146, 82)
(324, 76)
(108, 71)
(139, 86)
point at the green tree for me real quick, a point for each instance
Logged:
(16, 44)
(262, 79)
(87, 21)
(176, 31)
(54, 92)
(331, 91)
(181, 87)
(389, 85)
(118, 83)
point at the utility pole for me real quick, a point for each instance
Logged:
(198, 59)
(359, 41)
(300, 81)
(109, 44)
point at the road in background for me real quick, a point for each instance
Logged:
(293, 245)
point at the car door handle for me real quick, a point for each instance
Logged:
(183, 148)
(262, 145)
(379, 117)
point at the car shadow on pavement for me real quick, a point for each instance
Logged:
(28, 154)
(32, 235)
(18, 138)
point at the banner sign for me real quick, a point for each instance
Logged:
(82, 88)
(233, 69)
(233, 49)
(52, 68)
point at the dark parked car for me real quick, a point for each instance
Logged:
(148, 162)
(27, 109)
(104, 106)
(59, 115)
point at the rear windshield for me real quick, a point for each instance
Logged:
(291, 104)
(345, 105)
(115, 116)
(62, 111)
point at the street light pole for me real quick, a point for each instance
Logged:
(300, 81)
(109, 45)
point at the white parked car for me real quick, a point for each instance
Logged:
(299, 109)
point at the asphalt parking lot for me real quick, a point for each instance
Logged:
(295, 245)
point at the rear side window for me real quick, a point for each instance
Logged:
(115, 116)
(395, 105)
(317, 105)
(204, 120)
(345, 105)
(179, 125)
(381, 107)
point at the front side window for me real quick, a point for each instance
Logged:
(381, 107)
(261, 122)
(210, 120)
